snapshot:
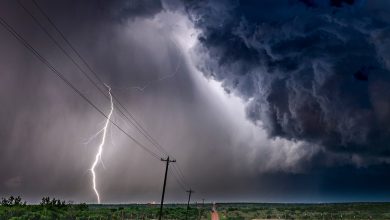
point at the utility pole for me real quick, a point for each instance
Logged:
(188, 203)
(165, 182)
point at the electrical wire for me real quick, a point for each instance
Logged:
(14, 33)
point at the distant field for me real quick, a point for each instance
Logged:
(226, 211)
(305, 211)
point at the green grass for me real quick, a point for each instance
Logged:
(306, 211)
(95, 212)
(227, 211)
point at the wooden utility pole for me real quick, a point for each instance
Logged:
(165, 182)
(188, 203)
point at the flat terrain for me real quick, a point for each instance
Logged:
(178, 211)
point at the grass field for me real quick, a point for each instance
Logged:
(178, 211)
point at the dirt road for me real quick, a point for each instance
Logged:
(214, 215)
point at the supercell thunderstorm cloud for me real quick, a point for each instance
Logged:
(317, 74)
(271, 100)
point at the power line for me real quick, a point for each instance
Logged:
(10, 29)
(178, 180)
(177, 171)
(135, 124)
(133, 121)
(180, 171)
(179, 174)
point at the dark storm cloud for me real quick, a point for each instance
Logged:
(315, 71)
(333, 3)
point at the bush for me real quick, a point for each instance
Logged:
(52, 203)
(12, 201)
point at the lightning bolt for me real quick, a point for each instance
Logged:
(100, 148)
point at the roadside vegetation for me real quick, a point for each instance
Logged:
(50, 208)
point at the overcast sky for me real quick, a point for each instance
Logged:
(266, 101)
